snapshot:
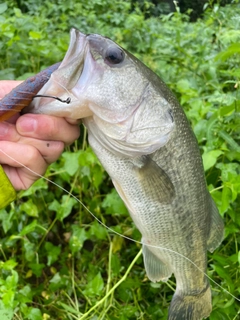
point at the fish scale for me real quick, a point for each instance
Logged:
(143, 139)
(160, 231)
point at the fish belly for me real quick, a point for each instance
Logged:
(174, 235)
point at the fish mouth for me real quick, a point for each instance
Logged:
(62, 81)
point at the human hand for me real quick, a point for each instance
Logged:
(33, 140)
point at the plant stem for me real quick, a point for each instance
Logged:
(113, 288)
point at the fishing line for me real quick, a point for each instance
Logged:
(71, 96)
(117, 233)
(68, 100)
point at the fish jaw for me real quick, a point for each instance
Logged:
(133, 117)
(62, 81)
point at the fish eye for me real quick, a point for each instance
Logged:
(114, 55)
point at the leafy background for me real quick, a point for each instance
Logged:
(57, 261)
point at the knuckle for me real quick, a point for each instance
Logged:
(73, 135)
(32, 155)
(54, 150)
(48, 127)
(59, 147)
(55, 128)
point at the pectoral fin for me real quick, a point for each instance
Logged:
(155, 268)
(216, 228)
(156, 183)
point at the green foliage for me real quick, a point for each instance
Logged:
(56, 260)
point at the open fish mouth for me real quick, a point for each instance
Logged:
(71, 89)
(62, 81)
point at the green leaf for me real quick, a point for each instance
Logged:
(6, 313)
(29, 228)
(37, 268)
(115, 265)
(223, 273)
(6, 220)
(53, 253)
(54, 206)
(8, 298)
(231, 50)
(227, 110)
(3, 7)
(58, 281)
(71, 164)
(37, 186)
(12, 281)
(97, 175)
(114, 204)
(25, 295)
(117, 243)
(95, 286)
(35, 35)
(226, 199)
(17, 12)
(9, 264)
(77, 238)
(34, 314)
(66, 207)
(210, 158)
(30, 208)
(98, 231)
(233, 144)
(183, 85)
(30, 250)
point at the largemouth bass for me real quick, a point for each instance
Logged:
(143, 139)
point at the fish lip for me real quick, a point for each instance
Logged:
(69, 71)
(77, 44)
(77, 49)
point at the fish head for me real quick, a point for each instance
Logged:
(112, 90)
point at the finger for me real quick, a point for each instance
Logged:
(17, 155)
(49, 150)
(46, 127)
(8, 132)
(20, 156)
(6, 86)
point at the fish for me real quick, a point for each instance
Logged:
(142, 137)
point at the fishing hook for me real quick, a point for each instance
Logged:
(68, 100)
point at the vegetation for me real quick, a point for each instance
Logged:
(56, 260)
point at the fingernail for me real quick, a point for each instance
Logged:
(3, 129)
(27, 124)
